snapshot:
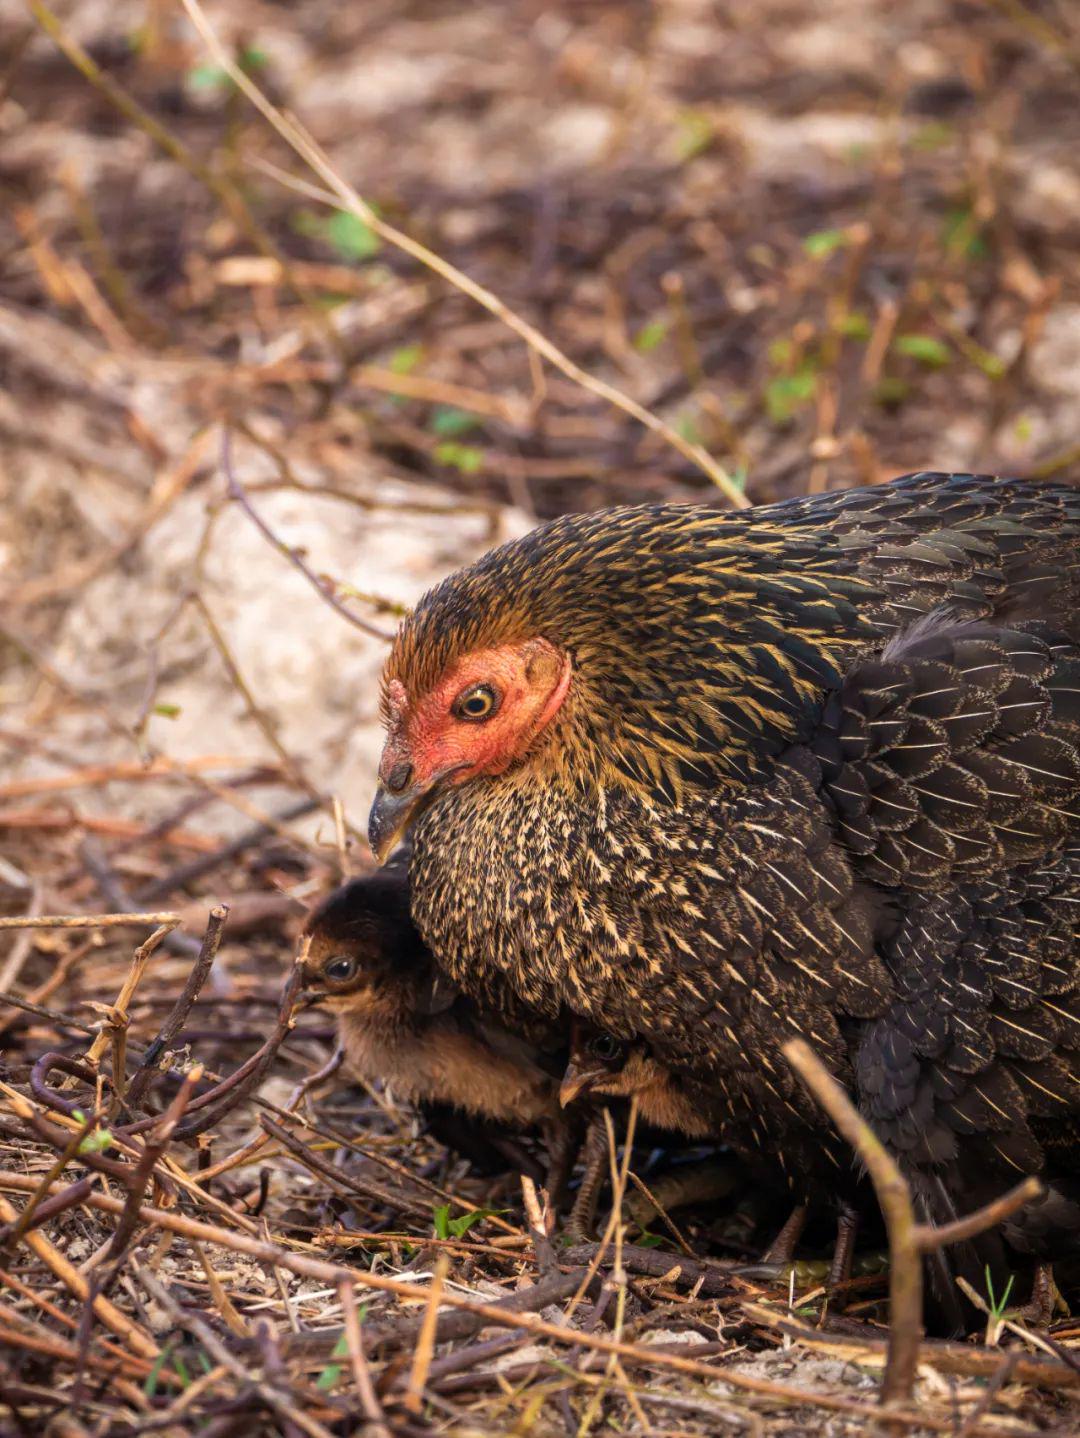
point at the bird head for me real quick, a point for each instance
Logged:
(483, 714)
(602, 1065)
(362, 955)
(655, 648)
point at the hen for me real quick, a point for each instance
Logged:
(717, 780)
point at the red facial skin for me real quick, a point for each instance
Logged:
(531, 680)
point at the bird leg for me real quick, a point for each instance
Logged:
(782, 1249)
(847, 1228)
(562, 1138)
(595, 1157)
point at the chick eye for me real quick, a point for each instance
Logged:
(605, 1047)
(477, 704)
(340, 969)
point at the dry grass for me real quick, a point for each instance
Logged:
(818, 244)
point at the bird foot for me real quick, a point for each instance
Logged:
(1045, 1300)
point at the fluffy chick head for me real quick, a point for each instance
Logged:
(362, 954)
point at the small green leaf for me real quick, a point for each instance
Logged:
(822, 244)
(99, 1141)
(695, 134)
(150, 1383)
(649, 1240)
(997, 1305)
(167, 711)
(789, 392)
(464, 457)
(687, 426)
(1023, 428)
(251, 58)
(855, 325)
(405, 359)
(451, 422)
(447, 1227)
(931, 352)
(962, 237)
(460, 1226)
(650, 335)
(333, 1371)
(207, 77)
(351, 237)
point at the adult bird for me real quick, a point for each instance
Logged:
(717, 780)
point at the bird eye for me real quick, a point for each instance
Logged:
(340, 969)
(605, 1047)
(477, 703)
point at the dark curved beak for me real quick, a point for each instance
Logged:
(577, 1079)
(392, 814)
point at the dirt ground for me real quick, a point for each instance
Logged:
(828, 242)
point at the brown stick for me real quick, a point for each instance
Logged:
(929, 1237)
(908, 1240)
(156, 1142)
(354, 1340)
(183, 875)
(180, 1010)
(948, 1357)
(413, 1401)
(343, 1183)
(540, 1218)
(86, 921)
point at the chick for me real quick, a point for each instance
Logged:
(611, 1068)
(606, 1067)
(400, 1021)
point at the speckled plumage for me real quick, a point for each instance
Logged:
(817, 774)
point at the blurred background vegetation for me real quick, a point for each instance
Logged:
(829, 239)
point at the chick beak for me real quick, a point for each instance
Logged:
(576, 1080)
